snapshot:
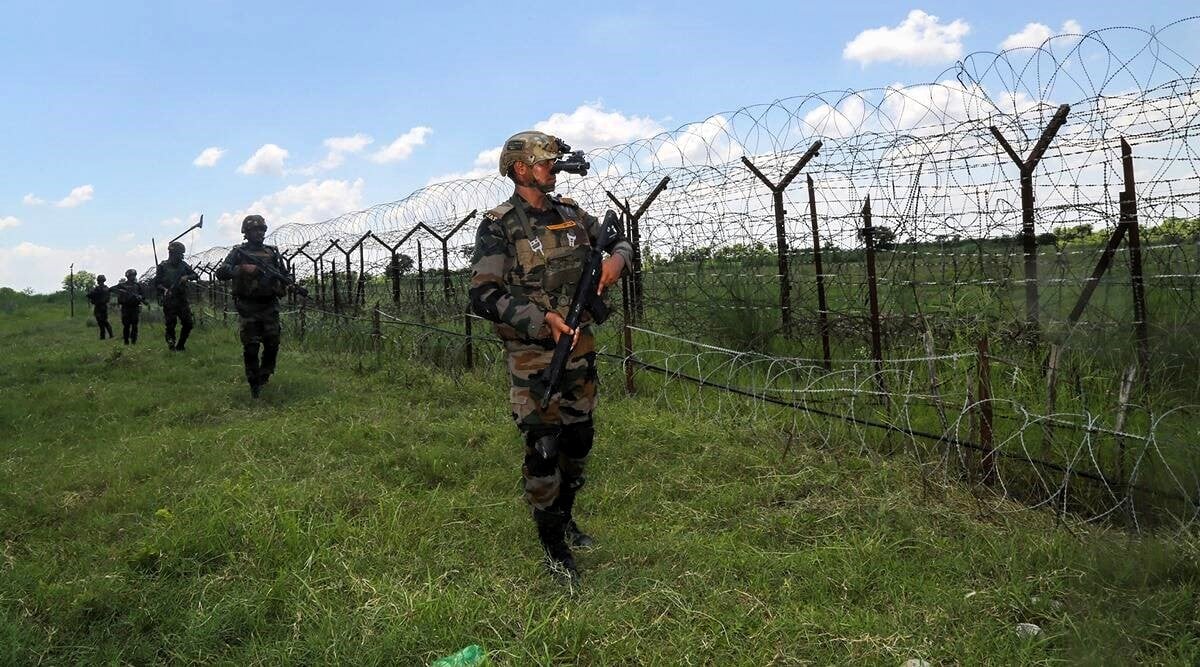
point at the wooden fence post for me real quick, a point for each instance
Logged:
(470, 344)
(987, 462)
(1122, 412)
(376, 333)
(1051, 399)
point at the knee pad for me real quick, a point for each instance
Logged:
(576, 439)
(541, 451)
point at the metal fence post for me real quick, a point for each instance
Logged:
(822, 305)
(1028, 235)
(633, 232)
(1129, 216)
(785, 289)
(873, 293)
(421, 279)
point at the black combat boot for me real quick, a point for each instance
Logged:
(181, 345)
(559, 560)
(571, 532)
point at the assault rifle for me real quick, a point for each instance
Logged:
(272, 272)
(126, 288)
(585, 298)
(164, 292)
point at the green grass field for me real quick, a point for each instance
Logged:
(367, 511)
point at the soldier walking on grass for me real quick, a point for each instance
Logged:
(260, 277)
(170, 279)
(99, 297)
(129, 296)
(529, 253)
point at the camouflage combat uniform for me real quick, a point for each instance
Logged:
(526, 263)
(171, 281)
(129, 295)
(99, 297)
(256, 297)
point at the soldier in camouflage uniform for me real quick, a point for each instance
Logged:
(129, 295)
(529, 254)
(170, 279)
(99, 296)
(260, 277)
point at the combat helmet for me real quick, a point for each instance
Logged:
(130, 274)
(176, 247)
(530, 147)
(100, 278)
(252, 221)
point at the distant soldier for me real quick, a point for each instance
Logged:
(529, 254)
(170, 279)
(99, 296)
(260, 277)
(129, 295)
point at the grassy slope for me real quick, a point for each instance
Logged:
(149, 513)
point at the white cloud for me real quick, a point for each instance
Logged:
(179, 223)
(268, 159)
(1036, 34)
(127, 236)
(339, 148)
(308, 202)
(352, 144)
(9, 221)
(209, 157)
(43, 268)
(486, 164)
(844, 120)
(78, 196)
(589, 126)
(403, 146)
(920, 39)
(706, 142)
(488, 158)
(31, 200)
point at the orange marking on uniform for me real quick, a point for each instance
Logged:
(562, 225)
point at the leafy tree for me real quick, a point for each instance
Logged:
(84, 280)
(401, 266)
(1174, 230)
(885, 237)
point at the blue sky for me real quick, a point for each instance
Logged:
(109, 106)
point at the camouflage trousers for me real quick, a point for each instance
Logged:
(258, 324)
(181, 312)
(130, 315)
(558, 439)
(101, 315)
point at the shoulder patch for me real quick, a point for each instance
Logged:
(568, 201)
(500, 211)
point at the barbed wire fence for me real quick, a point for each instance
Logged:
(994, 272)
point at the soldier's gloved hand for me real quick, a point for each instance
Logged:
(558, 327)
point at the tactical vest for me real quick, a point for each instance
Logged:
(549, 258)
(99, 295)
(260, 285)
(172, 278)
(128, 295)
